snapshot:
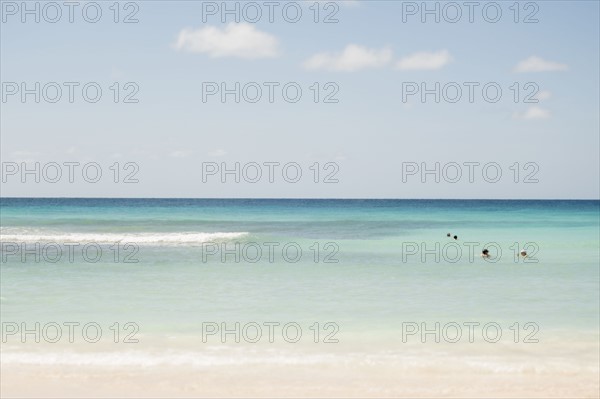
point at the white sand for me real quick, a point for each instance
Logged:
(287, 381)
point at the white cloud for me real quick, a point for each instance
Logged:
(424, 61)
(537, 64)
(352, 58)
(241, 40)
(534, 112)
(217, 153)
(543, 95)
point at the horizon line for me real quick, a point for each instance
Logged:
(314, 198)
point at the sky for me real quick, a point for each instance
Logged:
(307, 99)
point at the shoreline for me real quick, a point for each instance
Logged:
(289, 381)
(559, 369)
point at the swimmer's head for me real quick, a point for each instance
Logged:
(523, 252)
(448, 235)
(456, 237)
(485, 252)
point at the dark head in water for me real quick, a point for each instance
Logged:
(456, 237)
(448, 235)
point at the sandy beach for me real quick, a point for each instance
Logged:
(289, 381)
(225, 371)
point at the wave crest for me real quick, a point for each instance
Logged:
(146, 238)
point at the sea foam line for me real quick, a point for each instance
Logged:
(178, 238)
(149, 359)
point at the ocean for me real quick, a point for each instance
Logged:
(195, 281)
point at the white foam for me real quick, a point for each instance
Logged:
(149, 359)
(146, 238)
(221, 356)
(268, 357)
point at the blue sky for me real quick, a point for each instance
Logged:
(369, 55)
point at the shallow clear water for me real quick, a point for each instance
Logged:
(372, 272)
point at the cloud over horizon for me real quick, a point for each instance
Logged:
(352, 58)
(424, 61)
(537, 64)
(533, 112)
(241, 40)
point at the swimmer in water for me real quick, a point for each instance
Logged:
(456, 237)
(523, 253)
(448, 235)
(485, 253)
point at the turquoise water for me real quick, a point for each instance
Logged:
(369, 283)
